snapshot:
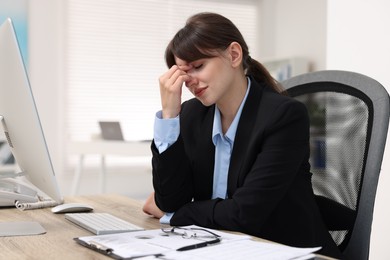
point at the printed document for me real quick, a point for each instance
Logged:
(157, 244)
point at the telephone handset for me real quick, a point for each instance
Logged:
(12, 191)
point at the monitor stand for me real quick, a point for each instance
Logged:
(27, 228)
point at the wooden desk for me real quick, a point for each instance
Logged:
(58, 242)
(104, 148)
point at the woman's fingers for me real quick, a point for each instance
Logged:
(173, 78)
(171, 84)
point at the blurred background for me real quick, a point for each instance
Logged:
(90, 61)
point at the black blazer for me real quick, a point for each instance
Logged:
(269, 180)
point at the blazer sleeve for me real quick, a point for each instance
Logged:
(174, 169)
(277, 150)
(174, 189)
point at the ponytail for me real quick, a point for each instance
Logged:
(257, 70)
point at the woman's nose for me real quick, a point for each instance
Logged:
(191, 82)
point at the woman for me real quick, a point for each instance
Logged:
(236, 156)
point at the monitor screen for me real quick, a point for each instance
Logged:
(20, 119)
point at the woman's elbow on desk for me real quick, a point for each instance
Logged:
(151, 208)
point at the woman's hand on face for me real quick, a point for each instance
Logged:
(151, 208)
(171, 83)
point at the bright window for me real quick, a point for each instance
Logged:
(115, 54)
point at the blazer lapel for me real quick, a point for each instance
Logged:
(243, 134)
(204, 161)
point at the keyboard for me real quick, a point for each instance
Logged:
(101, 223)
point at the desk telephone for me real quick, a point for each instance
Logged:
(11, 191)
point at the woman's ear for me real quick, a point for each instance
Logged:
(235, 54)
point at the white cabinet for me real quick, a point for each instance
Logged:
(284, 68)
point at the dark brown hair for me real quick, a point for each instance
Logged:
(206, 34)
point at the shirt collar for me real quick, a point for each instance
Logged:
(217, 124)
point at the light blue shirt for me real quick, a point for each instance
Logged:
(166, 132)
(223, 149)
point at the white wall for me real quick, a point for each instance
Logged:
(358, 39)
(294, 28)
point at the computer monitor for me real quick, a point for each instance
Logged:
(20, 119)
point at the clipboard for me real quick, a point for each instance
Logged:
(95, 246)
(98, 248)
(157, 243)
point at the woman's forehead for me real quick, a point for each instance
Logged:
(179, 61)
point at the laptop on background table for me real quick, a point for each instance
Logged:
(111, 130)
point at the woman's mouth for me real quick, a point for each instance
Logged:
(200, 91)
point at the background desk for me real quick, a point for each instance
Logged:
(104, 148)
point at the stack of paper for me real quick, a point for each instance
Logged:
(152, 244)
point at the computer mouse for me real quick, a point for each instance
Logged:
(71, 208)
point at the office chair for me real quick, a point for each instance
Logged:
(349, 118)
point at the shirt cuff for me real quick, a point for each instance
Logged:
(166, 131)
(166, 219)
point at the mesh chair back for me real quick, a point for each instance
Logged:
(347, 141)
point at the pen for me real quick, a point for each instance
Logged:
(141, 256)
(199, 245)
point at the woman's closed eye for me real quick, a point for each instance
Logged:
(198, 66)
